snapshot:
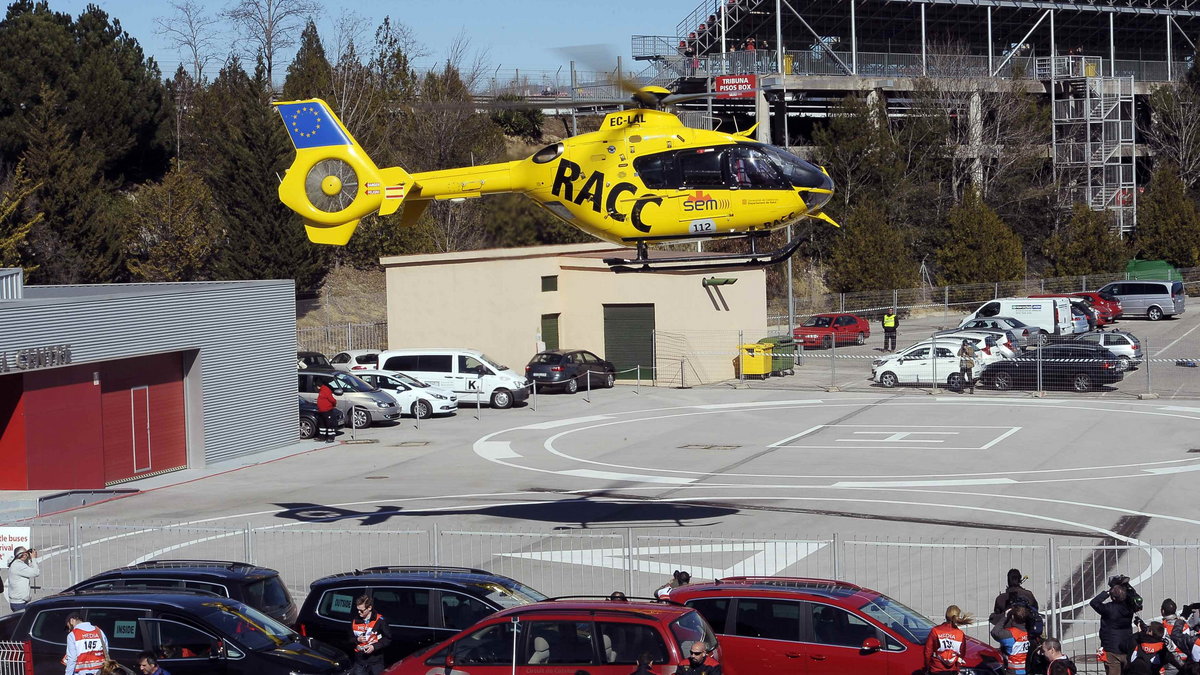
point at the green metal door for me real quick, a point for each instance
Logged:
(629, 339)
(550, 330)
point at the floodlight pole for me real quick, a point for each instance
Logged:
(854, 42)
(924, 64)
(1112, 47)
(991, 45)
(1170, 51)
(779, 50)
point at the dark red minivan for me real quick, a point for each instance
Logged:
(818, 627)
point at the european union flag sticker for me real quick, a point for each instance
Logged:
(311, 125)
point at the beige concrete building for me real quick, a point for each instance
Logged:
(510, 302)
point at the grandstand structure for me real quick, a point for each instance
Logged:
(1095, 62)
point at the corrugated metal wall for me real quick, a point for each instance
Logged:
(245, 333)
(11, 283)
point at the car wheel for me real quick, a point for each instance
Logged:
(422, 409)
(861, 339)
(1002, 381)
(1043, 337)
(827, 342)
(360, 418)
(1154, 314)
(888, 379)
(955, 382)
(571, 386)
(1123, 363)
(609, 380)
(502, 398)
(1081, 382)
(308, 427)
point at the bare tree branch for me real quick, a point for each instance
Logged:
(190, 30)
(1174, 129)
(270, 26)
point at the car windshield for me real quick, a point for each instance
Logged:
(818, 322)
(511, 594)
(248, 626)
(409, 380)
(907, 622)
(352, 383)
(692, 627)
(491, 362)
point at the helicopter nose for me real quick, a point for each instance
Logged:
(815, 198)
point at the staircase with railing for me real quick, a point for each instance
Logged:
(1094, 152)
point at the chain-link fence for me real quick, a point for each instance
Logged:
(331, 339)
(928, 574)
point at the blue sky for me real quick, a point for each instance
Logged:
(514, 34)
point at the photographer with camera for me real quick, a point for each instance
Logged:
(22, 569)
(1116, 622)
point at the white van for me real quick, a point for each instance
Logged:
(1050, 315)
(469, 373)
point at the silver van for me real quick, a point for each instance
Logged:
(360, 402)
(1151, 299)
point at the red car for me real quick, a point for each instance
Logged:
(1103, 316)
(818, 627)
(1103, 302)
(602, 637)
(821, 330)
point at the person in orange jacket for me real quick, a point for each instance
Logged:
(946, 646)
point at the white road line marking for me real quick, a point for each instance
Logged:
(1005, 400)
(792, 438)
(924, 483)
(1177, 408)
(770, 557)
(496, 450)
(1001, 437)
(1172, 343)
(757, 404)
(554, 424)
(1173, 469)
(630, 477)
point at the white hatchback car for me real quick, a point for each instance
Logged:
(354, 360)
(415, 397)
(918, 364)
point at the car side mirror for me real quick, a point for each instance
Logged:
(450, 660)
(871, 645)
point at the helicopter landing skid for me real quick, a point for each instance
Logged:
(712, 263)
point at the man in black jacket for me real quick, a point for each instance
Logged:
(1116, 624)
(371, 636)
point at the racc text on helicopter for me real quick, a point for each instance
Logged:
(643, 177)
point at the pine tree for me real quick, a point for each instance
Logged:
(16, 221)
(173, 229)
(980, 247)
(1168, 221)
(869, 253)
(308, 75)
(78, 241)
(1086, 244)
(246, 150)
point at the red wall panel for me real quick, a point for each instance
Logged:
(63, 429)
(12, 434)
(162, 375)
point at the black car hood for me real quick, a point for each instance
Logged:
(320, 658)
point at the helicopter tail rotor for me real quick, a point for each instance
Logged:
(332, 183)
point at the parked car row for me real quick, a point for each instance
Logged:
(237, 618)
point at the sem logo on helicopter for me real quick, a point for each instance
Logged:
(703, 202)
(635, 118)
(593, 192)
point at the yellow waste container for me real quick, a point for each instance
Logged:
(755, 360)
(1089, 70)
(787, 64)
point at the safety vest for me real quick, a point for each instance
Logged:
(1062, 666)
(1015, 653)
(89, 647)
(365, 633)
(889, 320)
(1150, 650)
(946, 643)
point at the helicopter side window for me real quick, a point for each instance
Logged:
(657, 171)
(751, 169)
(702, 168)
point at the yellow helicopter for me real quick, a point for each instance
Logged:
(643, 177)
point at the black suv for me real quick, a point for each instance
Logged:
(259, 587)
(422, 605)
(191, 633)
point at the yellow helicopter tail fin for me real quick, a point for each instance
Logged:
(332, 183)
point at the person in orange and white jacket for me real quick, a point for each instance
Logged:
(946, 646)
(87, 647)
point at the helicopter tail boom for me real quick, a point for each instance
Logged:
(332, 183)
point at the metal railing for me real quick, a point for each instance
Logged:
(927, 574)
(335, 338)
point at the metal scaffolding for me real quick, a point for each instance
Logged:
(1093, 142)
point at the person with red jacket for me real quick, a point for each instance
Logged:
(1013, 638)
(87, 647)
(946, 646)
(326, 404)
(371, 636)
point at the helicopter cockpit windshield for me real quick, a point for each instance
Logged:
(799, 172)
